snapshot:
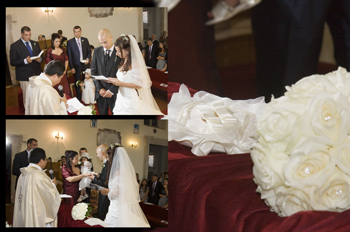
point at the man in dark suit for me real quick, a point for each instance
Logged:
(151, 53)
(105, 63)
(20, 53)
(22, 159)
(78, 48)
(100, 179)
(154, 190)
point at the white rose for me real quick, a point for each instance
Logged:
(86, 110)
(278, 123)
(310, 164)
(328, 115)
(343, 161)
(266, 169)
(290, 201)
(79, 211)
(334, 195)
(208, 123)
(333, 82)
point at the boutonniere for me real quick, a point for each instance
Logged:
(82, 40)
(34, 45)
(103, 165)
(115, 60)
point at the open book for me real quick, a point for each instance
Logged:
(36, 57)
(100, 77)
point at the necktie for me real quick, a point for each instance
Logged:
(29, 49)
(150, 50)
(106, 57)
(154, 186)
(79, 46)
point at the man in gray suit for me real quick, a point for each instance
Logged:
(105, 62)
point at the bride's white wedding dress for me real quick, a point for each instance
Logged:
(129, 100)
(120, 214)
(124, 209)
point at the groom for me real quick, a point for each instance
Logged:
(105, 63)
(100, 179)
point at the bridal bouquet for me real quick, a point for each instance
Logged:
(80, 211)
(302, 160)
(207, 122)
(87, 110)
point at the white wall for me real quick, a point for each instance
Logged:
(123, 21)
(78, 133)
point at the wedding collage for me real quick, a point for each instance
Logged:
(252, 124)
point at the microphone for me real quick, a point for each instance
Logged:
(60, 88)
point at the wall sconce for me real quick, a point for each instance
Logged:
(58, 136)
(49, 10)
(133, 144)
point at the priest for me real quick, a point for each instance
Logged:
(37, 200)
(42, 98)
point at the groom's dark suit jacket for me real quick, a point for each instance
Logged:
(103, 201)
(98, 67)
(18, 52)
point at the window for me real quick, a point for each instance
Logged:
(151, 161)
(145, 17)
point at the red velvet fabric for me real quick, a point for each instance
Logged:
(158, 77)
(64, 217)
(217, 193)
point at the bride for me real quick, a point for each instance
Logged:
(134, 95)
(123, 192)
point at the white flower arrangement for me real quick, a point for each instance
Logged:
(302, 160)
(115, 144)
(209, 123)
(124, 37)
(87, 110)
(80, 211)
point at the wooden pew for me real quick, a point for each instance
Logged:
(159, 79)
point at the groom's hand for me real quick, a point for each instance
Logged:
(102, 92)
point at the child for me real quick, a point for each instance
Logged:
(88, 95)
(84, 182)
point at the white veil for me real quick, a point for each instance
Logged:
(141, 78)
(124, 188)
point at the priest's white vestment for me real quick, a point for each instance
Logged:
(37, 199)
(42, 98)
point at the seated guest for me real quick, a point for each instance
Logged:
(56, 52)
(42, 98)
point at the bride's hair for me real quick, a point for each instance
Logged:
(110, 154)
(123, 42)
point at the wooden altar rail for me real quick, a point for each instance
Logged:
(155, 214)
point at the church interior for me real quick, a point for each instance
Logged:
(141, 139)
(141, 22)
